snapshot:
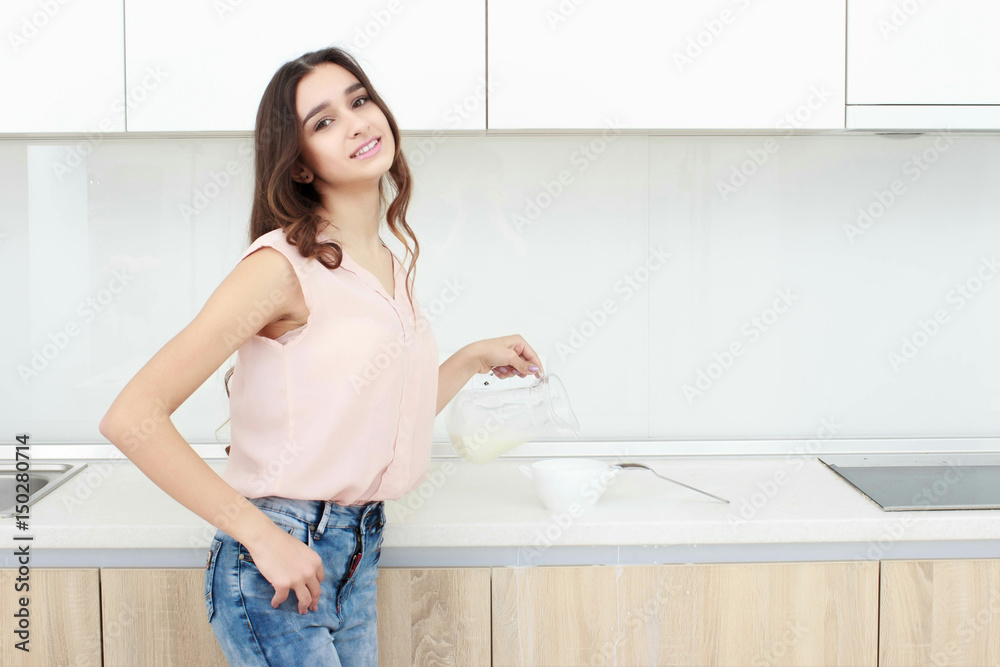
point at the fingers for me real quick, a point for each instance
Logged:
(520, 360)
(280, 594)
(524, 357)
(507, 371)
(528, 353)
(521, 368)
(314, 592)
(307, 593)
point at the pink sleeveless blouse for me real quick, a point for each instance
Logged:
(341, 408)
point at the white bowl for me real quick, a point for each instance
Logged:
(561, 483)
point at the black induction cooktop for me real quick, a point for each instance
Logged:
(924, 482)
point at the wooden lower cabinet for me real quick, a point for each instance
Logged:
(156, 617)
(438, 616)
(939, 612)
(427, 616)
(64, 623)
(699, 614)
(893, 613)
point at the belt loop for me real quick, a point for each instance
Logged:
(323, 519)
(372, 513)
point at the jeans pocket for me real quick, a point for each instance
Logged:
(255, 588)
(298, 528)
(213, 554)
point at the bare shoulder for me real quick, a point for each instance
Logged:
(259, 290)
(266, 273)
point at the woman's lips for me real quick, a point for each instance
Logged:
(372, 151)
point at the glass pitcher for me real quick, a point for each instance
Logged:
(485, 423)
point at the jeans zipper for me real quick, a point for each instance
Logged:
(356, 558)
(352, 566)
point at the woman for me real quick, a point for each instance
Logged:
(335, 387)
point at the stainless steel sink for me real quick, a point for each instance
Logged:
(43, 479)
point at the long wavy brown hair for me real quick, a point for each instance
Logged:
(280, 201)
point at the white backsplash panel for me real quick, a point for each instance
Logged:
(844, 286)
(539, 232)
(682, 287)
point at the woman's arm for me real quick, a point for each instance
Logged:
(138, 422)
(504, 356)
(452, 376)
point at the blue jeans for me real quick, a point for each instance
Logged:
(342, 632)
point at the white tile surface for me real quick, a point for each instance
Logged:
(154, 208)
(537, 272)
(856, 295)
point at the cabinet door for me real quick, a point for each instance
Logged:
(434, 616)
(61, 68)
(155, 617)
(670, 64)
(64, 617)
(939, 612)
(546, 616)
(726, 614)
(427, 60)
(919, 52)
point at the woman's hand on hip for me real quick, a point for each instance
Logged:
(505, 356)
(289, 564)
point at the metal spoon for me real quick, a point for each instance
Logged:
(624, 466)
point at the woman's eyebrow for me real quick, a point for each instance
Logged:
(325, 103)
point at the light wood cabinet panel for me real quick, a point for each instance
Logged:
(939, 612)
(554, 615)
(64, 617)
(434, 616)
(425, 617)
(156, 617)
(750, 614)
(726, 614)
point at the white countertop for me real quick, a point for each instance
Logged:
(773, 501)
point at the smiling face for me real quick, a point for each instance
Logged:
(337, 118)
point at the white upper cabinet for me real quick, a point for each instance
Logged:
(426, 59)
(919, 52)
(61, 66)
(738, 64)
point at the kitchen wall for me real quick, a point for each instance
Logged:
(683, 287)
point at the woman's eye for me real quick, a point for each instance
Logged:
(320, 125)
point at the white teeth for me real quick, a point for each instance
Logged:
(367, 148)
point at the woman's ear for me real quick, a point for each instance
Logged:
(301, 174)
